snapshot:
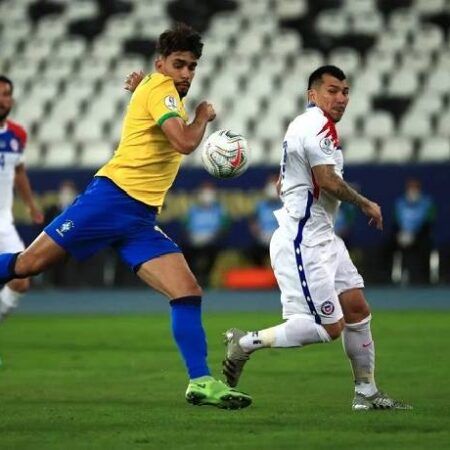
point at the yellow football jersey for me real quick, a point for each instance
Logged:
(145, 164)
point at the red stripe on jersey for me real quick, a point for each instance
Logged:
(316, 192)
(19, 131)
(331, 132)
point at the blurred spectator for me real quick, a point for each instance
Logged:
(415, 214)
(205, 226)
(62, 275)
(345, 219)
(263, 222)
(67, 192)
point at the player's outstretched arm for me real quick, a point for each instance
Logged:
(328, 180)
(185, 138)
(22, 184)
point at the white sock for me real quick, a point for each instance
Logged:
(9, 300)
(360, 348)
(295, 332)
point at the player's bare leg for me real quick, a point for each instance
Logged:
(170, 275)
(42, 253)
(360, 349)
(294, 332)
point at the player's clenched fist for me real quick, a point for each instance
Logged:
(205, 109)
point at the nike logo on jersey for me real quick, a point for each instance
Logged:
(366, 345)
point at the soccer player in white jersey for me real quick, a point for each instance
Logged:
(12, 174)
(321, 290)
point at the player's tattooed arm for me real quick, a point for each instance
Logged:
(328, 180)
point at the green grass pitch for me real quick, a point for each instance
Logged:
(117, 382)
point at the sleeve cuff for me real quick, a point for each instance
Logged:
(166, 116)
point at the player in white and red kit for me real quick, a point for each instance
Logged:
(321, 290)
(13, 139)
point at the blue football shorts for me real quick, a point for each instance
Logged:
(106, 216)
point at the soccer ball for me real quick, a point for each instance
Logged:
(225, 154)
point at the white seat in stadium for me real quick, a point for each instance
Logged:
(95, 153)
(426, 7)
(249, 44)
(435, 149)
(61, 154)
(226, 24)
(348, 59)
(106, 48)
(392, 42)
(378, 124)
(346, 127)
(53, 129)
(415, 125)
(71, 48)
(92, 69)
(403, 84)
(81, 10)
(369, 23)
(58, 69)
(333, 22)
(288, 9)
(366, 82)
(286, 43)
(51, 28)
(255, 8)
(29, 110)
(438, 81)
(89, 128)
(33, 155)
(443, 124)
(359, 150)
(359, 105)
(428, 103)
(404, 20)
(380, 61)
(428, 38)
(416, 60)
(257, 150)
(38, 49)
(120, 27)
(359, 6)
(396, 150)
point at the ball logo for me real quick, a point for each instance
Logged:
(327, 146)
(171, 103)
(327, 308)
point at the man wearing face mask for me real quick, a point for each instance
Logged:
(413, 222)
(12, 175)
(205, 226)
(263, 222)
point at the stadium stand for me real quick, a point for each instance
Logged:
(68, 60)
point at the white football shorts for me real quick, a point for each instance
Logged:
(10, 241)
(310, 278)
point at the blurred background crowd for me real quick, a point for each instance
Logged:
(68, 60)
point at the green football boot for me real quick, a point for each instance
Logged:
(209, 391)
(379, 400)
(236, 357)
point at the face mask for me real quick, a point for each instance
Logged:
(207, 197)
(66, 197)
(413, 195)
(270, 191)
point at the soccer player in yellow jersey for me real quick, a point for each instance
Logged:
(120, 205)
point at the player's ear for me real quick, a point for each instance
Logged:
(158, 63)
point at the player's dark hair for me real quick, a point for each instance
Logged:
(316, 76)
(181, 38)
(4, 79)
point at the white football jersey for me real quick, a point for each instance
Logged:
(311, 140)
(12, 144)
